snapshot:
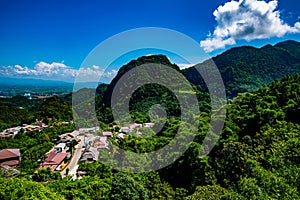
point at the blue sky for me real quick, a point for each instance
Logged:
(39, 36)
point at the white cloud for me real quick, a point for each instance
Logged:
(216, 43)
(56, 71)
(184, 66)
(95, 74)
(111, 74)
(95, 67)
(246, 20)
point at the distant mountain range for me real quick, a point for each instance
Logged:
(243, 68)
(248, 68)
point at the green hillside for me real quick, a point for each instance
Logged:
(247, 68)
(159, 59)
(257, 157)
(148, 95)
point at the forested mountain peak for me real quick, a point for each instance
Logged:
(159, 59)
(291, 46)
(248, 68)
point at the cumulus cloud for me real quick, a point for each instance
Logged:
(110, 74)
(246, 20)
(56, 71)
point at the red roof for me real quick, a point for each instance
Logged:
(107, 133)
(9, 153)
(10, 157)
(100, 145)
(55, 158)
(4, 136)
(10, 163)
(81, 172)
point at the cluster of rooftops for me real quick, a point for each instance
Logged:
(57, 158)
(11, 132)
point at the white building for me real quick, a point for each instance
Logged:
(148, 125)
(60, 147)
(89, 130)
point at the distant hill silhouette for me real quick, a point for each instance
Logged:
(32, 82)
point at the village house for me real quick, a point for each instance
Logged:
(89, 130)
(68, 137)
(5, 135)
(148, 125)
(13, 131)
(125, 129)
(90, 154)
(121, 136)
(60, 147)
(73, 134)
(130, 128)
(10, 132)
(135, 125)
(54, 161)
(30, 128)
(10, 157)
(100, 142)
(34, 127)
(107, 134)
